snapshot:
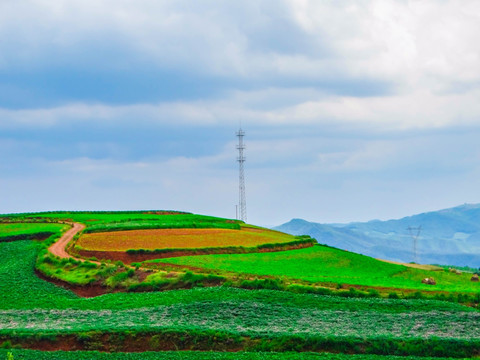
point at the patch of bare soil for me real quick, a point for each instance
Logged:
(86, 291)
(131, 258)
(415, 266)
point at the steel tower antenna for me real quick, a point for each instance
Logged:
(415, 236)
(241, 160)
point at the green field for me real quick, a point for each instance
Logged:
(34, 311)
(115, 221)
(17, 230)
(20, 289)
(194, 355)
(187, 355)
(32, 306)
(326, 264)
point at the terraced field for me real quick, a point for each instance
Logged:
(248, 318)
(193, 355)
(99, 221)
(30, 307)
(180, 238)
(37, 314)
(326, 264)
(12, 231)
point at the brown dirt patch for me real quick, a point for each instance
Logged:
(86, 291)
(131, 258)
(152, 239)
(415, 266)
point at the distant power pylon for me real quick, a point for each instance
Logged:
(415, 233)
(241, 178)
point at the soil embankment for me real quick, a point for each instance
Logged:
(129, 258)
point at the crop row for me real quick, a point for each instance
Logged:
(36, 236)
(24, 231)
(102, 218)
(194, 340)
(20, 288)
(136, 225)
(247, 318)
(178, 238)
(281, 320)
(191, 355)
(229, 249)
(326, 264)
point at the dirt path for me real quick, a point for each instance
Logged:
(58, 248)
(415, 266)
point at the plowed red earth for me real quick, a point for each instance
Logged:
(179, 238)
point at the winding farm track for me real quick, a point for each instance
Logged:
(58, 248)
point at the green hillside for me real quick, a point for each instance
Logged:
(302, 303)
(13, 231)
(98, 221)
(31, 307)
(329, 265)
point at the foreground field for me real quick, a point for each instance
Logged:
(33, 308)
(180, 238)
(191, 355)
(37, 314)
(329, 265)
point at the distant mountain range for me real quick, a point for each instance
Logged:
(450, 236)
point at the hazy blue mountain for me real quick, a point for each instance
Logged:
(450, 236)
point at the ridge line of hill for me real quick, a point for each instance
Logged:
(448, 236)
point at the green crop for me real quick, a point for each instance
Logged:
(192, 355)
(23, 231)
(329, 265)
(20, 288)
(247, 318)
(30, 305)
(32, 309)
(116, 221)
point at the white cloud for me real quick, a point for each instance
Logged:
(288, 68)
(410, 43)
(416, 110)
(416, 44)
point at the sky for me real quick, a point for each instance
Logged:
(353, 110)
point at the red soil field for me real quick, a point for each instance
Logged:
(179, 238)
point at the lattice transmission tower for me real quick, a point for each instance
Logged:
(241, 176)
(415, 233)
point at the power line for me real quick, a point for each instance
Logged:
(415, 233)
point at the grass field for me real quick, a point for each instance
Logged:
(180, 238)
(21, 289)
(326, 264)
(247, 318)
(112, 221)
(32, 307)
(19, 229)
(192, 355)
(34, 311)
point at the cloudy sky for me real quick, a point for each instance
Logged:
(353, 110)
